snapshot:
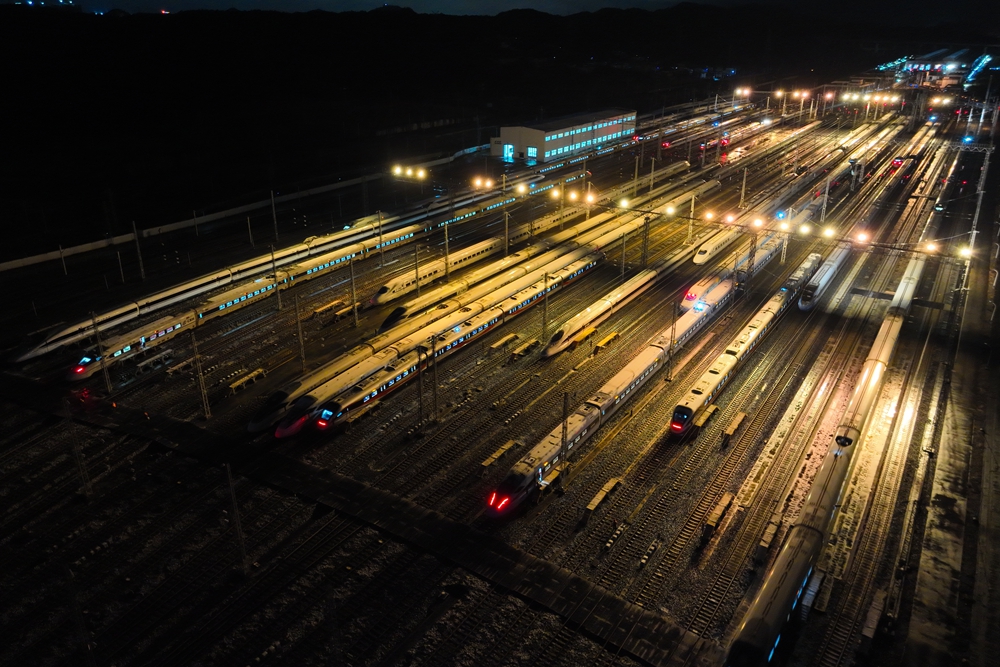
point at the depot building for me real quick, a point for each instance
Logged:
(562, 137)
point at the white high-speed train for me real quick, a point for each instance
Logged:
(760, 632)
(367, 230)
(326, 403)
(712, 382)
(812, 292)
(535, 469)
(431, 271)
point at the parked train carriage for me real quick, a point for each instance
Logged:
(431, 271)
(538, 468)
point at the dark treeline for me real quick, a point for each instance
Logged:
(111, 119)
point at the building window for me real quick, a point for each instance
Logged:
(547, 138)
(532, 151)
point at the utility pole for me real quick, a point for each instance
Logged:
(673, 342)
(121, 270)
(274, 216)
(623, 256)
(138, 251)
(635, 179)
(447, 256)
(690, 223)
(645, 242)
(743, 190)
(420, 387)
(63, 260)
(545, 308)
(354, 296)
(274, 273)
(100, 351)
(416, 265)
(302, 342)
(652, 166)
(201, 378)
(565, 426)
(381, 247)
(826, 198)
(236, 521)
(434, 389)
(250, 232)
(506, 231)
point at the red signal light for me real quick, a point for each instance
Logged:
(676, 426)
(502, 503)
(322, 423)
(690, 296)
(492, 498)
(79, 369)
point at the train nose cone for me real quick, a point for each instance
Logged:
(290, 427)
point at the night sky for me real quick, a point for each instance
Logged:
(918, 12)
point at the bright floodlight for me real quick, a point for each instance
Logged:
(805, 229)
(478, 182)
(758, 222)
(397, 170)
(572, 196)
(965, 252)
(829, 96)
(522, 189)
(421, 173)
(409, 171)
(671, 210)
(828, 232)
(766, 121)
(590, 199)
(805, 93)
(846, 96)
(488, 183)
(709, 215)
(946, 100)
(730, 218)
(862, 237)
(783, 226)
(936, 100)
(895, 98)
(779, 93)
(931, 247)
(555, 192)
(623, 203)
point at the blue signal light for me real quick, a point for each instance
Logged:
(85, 360)
(326, 414)
(700, 306)
(967, 139)
(781, 215)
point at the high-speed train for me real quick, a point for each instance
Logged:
(599, 311)
(431, 271)
(812, 292)
(760, 632)
(535, 470)
(302, 397)
(392, 230)
(762, 253)
(388, 370)
(712, 382)
(458, 286)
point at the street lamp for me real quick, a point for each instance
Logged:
(781, 94)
